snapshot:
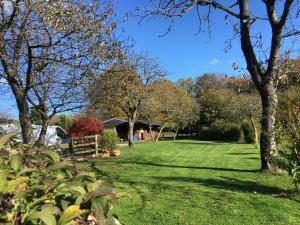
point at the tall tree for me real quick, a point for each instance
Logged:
(187, 84)
(264, 71)
(33, 34)
(124, 85)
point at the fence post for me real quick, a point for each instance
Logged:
(71, 149)
(96, 144)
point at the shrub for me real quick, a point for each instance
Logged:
(220, 131)
(2, 131)
(37, 187)
(85, 126)
(109, 140)
(248, 133)
(289, 160)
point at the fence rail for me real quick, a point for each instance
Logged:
(84, 145)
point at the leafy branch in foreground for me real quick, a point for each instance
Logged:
(36, 187)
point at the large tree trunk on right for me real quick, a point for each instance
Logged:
(267, 138)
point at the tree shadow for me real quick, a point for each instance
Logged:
(203, 143)
(232, 184)
(254, 158)
(243, 153)
(187, 167)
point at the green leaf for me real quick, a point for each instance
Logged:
(64, 204)
(79, 189)
(44, 216)
(70, 214)
(16, 162)
(12, 185)
(3, 181)
(51, 209)
(86, 176)
(99, 192)
(62, 165)
(52, 156)
(2, 162)
(26, 171)
(97, 208)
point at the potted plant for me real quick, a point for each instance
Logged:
(109, 143)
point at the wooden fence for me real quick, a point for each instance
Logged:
(84, 145)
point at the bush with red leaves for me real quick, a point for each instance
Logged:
(85, 126)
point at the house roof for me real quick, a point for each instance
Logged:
(117, 121)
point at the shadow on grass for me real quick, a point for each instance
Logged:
(254, 158)
(203, 143)
(243, 153)
(228, 183)
(185, 167)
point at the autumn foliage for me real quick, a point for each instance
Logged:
(85, 126)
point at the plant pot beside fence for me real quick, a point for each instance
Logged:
(116, 152)
(105, 154)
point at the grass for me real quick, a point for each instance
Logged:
(196, 182)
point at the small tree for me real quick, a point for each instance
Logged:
(186, 112)
(85, 126)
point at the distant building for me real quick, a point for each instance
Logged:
(141, 128)
(9, 127)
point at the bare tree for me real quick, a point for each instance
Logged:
(124, 85)
(57, 89)
(264, 71)
(34, 34)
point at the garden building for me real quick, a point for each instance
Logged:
(141, 128)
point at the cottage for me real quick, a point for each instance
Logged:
(141, 128)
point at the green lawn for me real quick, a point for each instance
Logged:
(196, 182)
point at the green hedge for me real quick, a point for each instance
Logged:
(221, 131)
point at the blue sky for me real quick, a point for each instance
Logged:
(181, 52)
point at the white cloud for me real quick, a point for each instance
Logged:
(215, 61)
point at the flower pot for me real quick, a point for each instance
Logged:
(116, 152)
(105, 154)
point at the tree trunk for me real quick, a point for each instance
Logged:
(267, 138)
(160, 131)
(43, 132)
(130, 132)
(175, 134)
(255, 131)
(150, 130)
(25, 123)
